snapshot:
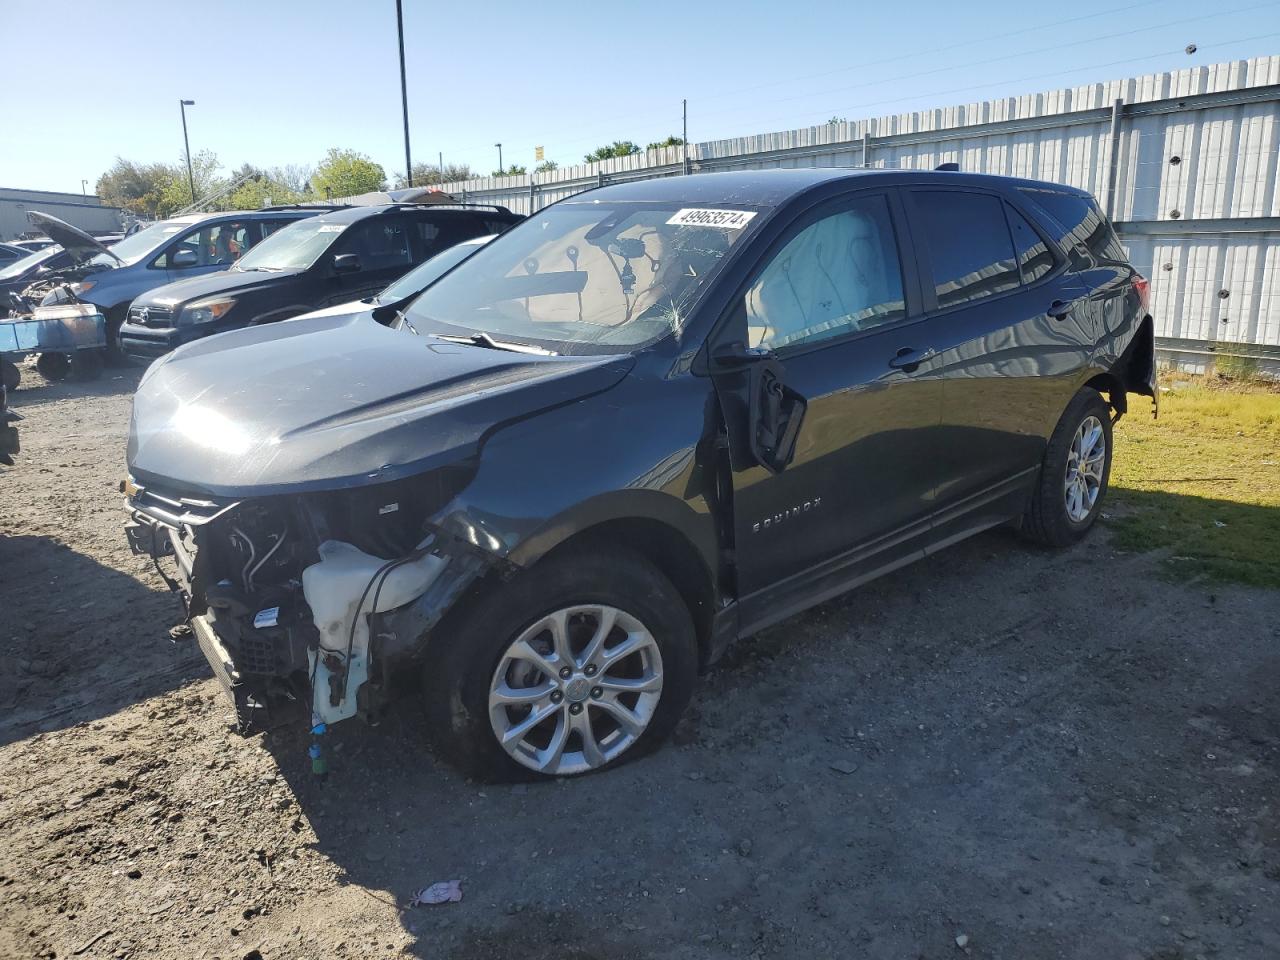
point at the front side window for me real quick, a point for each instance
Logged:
(217, 244)
(970, 250)
(380, 242)
(836, 276)
(586, 277)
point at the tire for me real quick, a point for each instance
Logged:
(53, 366)
(10, 374)
(1055, 516)
(115, 355)
(469, 668)
(86, 365)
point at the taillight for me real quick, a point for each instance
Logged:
(1143, 286)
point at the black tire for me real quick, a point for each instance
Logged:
(471, 641)
(86, 365)
(115, 355)
(10, 375)
(53, 366)
(1047, 519)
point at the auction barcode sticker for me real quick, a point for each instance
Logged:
(700, 217)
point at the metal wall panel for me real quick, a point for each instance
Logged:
(1193, 145)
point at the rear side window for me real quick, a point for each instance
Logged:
(1034, 256)
(1083, 223)
(970, 250)
(496, 226)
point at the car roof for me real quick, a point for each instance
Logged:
(356, 214)
(237, 215)
(771, 188)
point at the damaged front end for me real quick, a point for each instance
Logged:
(320, 599)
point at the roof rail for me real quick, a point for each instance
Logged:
(313, 205)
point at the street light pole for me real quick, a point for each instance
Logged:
(186, 144)
(500, 166)
(84, 187)
(404, 96)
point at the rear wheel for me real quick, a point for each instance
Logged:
(53, 366)
(584, 662)
(1073, 475)
(10, 375)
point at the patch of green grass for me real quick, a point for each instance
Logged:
(1203, 481)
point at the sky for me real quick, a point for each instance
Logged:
(281, 81)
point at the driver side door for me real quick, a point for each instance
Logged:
(828, 329)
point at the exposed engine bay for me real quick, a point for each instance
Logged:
(317, 600)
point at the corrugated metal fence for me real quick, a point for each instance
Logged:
(1185, 163)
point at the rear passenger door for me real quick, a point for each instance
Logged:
(990, 280)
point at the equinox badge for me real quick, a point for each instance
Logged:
(786, 514)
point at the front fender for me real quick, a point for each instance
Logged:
(636, 452)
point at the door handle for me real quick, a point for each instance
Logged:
(1060, 309)
(908, 358)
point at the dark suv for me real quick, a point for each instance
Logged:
(651, 419)
(341, 256)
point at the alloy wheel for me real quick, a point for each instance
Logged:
(575, 689)
(1086, 461)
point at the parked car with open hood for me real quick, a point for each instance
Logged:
(332, 259)
(650, 419)
(111, 277)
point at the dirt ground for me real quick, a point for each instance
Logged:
(999, 752)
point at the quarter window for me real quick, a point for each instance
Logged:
(1083, 224)
(1034, 257)
(970, 250)
(836, 276)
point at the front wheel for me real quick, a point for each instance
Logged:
(1073, 475)
(581, 663)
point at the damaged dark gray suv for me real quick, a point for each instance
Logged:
(649, 420)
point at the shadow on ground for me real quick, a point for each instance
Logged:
(79, 640)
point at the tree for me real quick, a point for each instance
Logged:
(176, 194)
(546, 166)
(345, 173)
(267, 185)
(137, 187)
(836, 120)
(515, 170)
(669, 142)
(619, 148)
(429, 174)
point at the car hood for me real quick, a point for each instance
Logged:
(227, 281)
(80, 245)
(333, 402)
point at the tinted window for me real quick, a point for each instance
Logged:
(1034, 256)
(1083, 223)
(969, 245)
(379, 242)
(836, 276)
(445, 232)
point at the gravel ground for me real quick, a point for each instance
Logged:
(999, 752)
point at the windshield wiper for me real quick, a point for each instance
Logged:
(484, 340)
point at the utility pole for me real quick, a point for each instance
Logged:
(404, 96)
(684, 135)
(186, 145)
(500, 166)
(440, 160)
